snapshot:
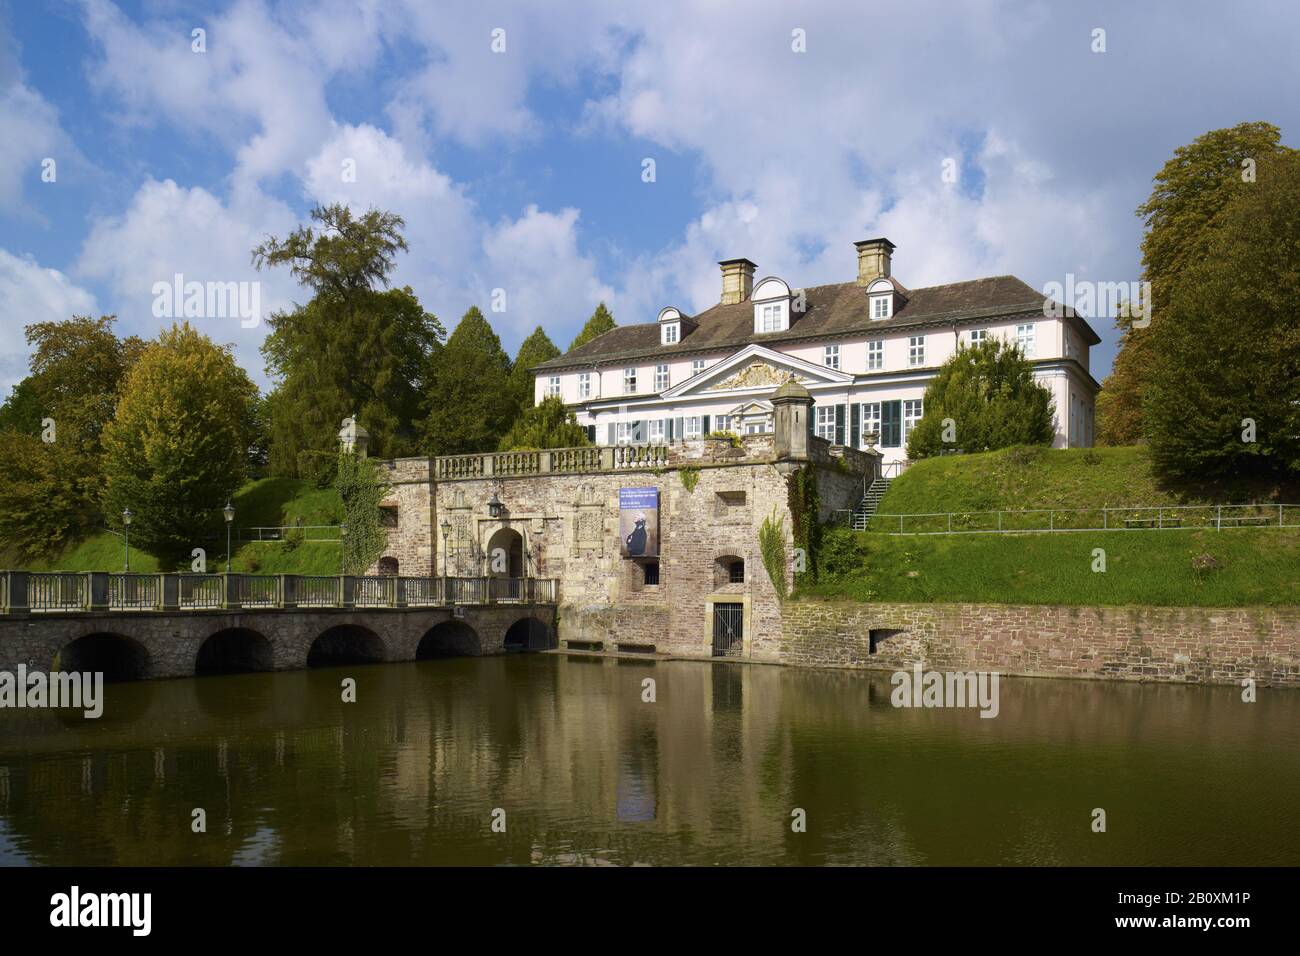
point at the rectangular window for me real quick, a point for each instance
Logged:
(875, 356)
(697, 366)
(831, 356)
(584, 385)
(826, 422)
(891, 430)
(661, 378)
(591, 434)
(912, 412)
(871, 420)
(771, 319)
(692, 426)
(916, 350)
(670, 333)
(736, 572)
(880, 307)
(724, 423)
(553, 386)
(629, 381)
(977, 336)
(1025, 339)
(623, 433)
(651, 570)
(657, 432)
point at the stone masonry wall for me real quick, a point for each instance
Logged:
(1192, 645)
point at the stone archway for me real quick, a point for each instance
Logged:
(505, 554)
(234, 650)
(449, 639)
(346, 644)
(117, 657)
(528, 634)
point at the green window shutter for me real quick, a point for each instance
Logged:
(855, 429)
(839, 424)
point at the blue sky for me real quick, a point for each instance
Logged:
(522, 169)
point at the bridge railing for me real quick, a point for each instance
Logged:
(28, 592)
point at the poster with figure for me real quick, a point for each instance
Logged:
(638, 522)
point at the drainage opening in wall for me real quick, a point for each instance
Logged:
(878, 634)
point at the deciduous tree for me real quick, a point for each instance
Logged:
(548, 424)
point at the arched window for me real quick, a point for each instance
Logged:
(388, 567)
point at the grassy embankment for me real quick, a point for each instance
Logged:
(268, 502)
(1255, 566)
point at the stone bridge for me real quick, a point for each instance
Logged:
(169, 636)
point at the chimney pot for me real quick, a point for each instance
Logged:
(737, 280)
(874, 259)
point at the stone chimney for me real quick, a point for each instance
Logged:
(737, 280)
(873, 259)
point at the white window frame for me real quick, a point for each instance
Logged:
(723, 423)
(629, 381)
(691, 426)
(552, 386)
(831, 356)
(770, 318)
(622, 433)
(661, 378)
(978, 336)
(655, 432)
(868, 421)
(697, 366)
(584, 385)
(875, 355)
(1026, 338)
(880, 307)
(915, 351)
(913, 410)
(826, 422)
(670, 333)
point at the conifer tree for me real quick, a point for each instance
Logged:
(601, 321)
(471, 404)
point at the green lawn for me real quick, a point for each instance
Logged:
(268, 502)
(1257, 566)
(1024, 478)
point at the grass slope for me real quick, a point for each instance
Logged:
(1018, 478)
(268, 502)
(1258, 566)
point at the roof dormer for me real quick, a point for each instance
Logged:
(884, 299)
(673, 325)
(771, 306)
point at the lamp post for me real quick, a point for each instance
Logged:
(343, 537)
(126, 540)
(446, 533)
(229, 512)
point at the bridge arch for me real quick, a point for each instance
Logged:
(234, 650)
(116, 656)
(452, 638)
(529, 634)
(346, 644)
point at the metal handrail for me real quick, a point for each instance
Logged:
(1127, 518)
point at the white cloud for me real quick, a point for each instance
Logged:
(31, 133)
(30, 293)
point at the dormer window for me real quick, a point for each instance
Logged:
(771, 306)
(880, 298)
(673, 325)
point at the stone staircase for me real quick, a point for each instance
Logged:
(867, 506)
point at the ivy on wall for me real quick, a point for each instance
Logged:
(771, 544)
(690, 478)
(804, 501)
(362, 489)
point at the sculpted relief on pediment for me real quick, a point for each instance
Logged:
(755, 375)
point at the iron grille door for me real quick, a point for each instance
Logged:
(728, 630)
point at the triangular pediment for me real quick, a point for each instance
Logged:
(757, 369)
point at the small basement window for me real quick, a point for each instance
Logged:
(651, 571)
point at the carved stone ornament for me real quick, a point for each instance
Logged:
(757, 374)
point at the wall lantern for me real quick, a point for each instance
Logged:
(494, 506)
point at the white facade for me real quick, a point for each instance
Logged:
(861, 380)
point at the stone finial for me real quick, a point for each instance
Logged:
(353, 437)
(791, 408)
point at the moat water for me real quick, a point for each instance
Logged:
(586, 772)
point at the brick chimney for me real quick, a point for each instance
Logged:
(737, 280)
(874, 257)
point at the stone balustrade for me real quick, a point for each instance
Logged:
(28, 592)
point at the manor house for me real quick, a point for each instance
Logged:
(864, 349)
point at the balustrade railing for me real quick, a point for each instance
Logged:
(23, 592)
(575, 460)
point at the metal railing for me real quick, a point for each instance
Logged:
(23, 592)
(329, 532)
(1137, 518)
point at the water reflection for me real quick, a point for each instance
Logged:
(589, 773)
